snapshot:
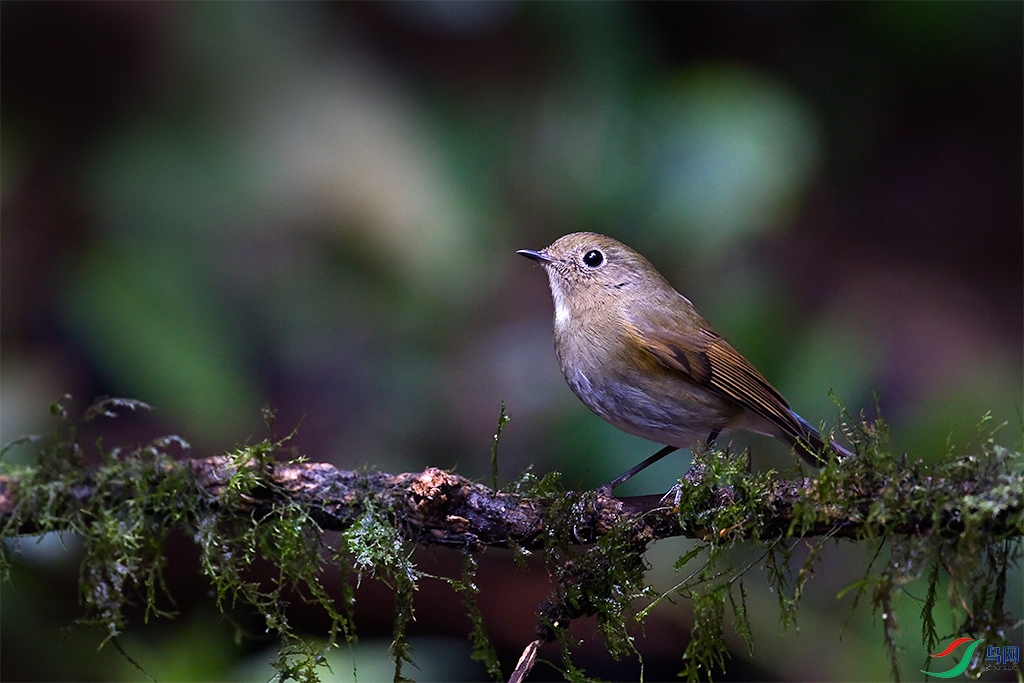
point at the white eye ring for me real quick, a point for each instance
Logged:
(593, 258)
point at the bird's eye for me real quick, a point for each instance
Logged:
(593, 258)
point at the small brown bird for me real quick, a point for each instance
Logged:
(638, 354)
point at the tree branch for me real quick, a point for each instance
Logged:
(972, 507)
(961, 517)
(441, 508)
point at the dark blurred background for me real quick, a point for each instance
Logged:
(212, 207)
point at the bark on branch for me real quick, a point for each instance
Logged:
(438, 507)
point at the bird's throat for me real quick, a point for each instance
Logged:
(561, 304)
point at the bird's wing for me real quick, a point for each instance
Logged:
(710, 361)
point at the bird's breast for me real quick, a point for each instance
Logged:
(628, 388)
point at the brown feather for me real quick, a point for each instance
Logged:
(710, 361)
(734, 376)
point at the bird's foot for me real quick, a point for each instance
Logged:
(675, 493)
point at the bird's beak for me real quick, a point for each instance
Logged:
(539, 256)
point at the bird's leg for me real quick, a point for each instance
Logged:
(625, 476)
(676, 492)
(635, 469)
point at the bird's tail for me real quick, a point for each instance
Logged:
(811, 447)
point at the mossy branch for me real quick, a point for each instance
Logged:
(962, 518)
(436, 507)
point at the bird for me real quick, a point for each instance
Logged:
(638, 354)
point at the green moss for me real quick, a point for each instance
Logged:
(137, 498)
(948, 531)
(503, 420)
(282, 533)
(483, 649)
